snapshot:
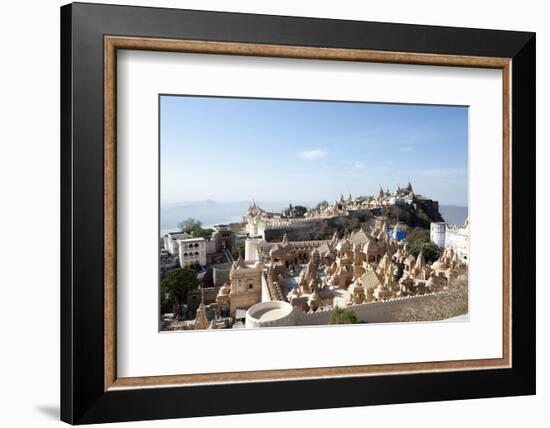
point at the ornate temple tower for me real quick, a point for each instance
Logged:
(251, 249)
(201, 321)
(245, 284)
(419, 267)
(358, 258)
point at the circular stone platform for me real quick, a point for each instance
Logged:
(270, 314)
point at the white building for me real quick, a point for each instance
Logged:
(170, 241)
(255, 219)
(251, 249)
(191, 251)
(452, 236)
(437, 233)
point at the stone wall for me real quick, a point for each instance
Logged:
(244, 300)
(419, 214)
(374, 312)
(266, 295)
(220, 273)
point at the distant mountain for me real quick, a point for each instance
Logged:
(453, 214)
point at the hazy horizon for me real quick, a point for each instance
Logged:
(211, 212)
(259, 201)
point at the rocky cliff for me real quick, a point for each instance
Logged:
(418, 215)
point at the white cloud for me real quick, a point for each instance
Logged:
(359, 165)
(313, 154)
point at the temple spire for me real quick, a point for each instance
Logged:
(420, 262)
(285, 239)
(239, 263)
(201, 320)
(384, 262)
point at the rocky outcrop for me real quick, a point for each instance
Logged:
(420, 214)
(417, 215)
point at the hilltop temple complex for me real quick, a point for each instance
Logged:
(259, 221)
(298, 283)
(369, 269)
(452, 236)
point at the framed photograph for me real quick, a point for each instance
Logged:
(266, 213)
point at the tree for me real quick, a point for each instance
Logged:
(431, 252)
(418, 234)
(188, 225)
(299, 211)
(194, 228)
(342, 316)
(321, 205)
(175, 285)
(238, 250)
(295, 211)
(419, 240)
(202, 233)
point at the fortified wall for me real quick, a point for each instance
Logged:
(373, 312)
(420, 214)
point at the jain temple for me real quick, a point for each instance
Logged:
(353, 253)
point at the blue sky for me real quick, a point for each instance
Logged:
(234, 149)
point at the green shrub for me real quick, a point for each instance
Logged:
(342, 316)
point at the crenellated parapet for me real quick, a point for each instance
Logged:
(373, 312)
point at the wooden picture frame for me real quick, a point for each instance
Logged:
(91, 390)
